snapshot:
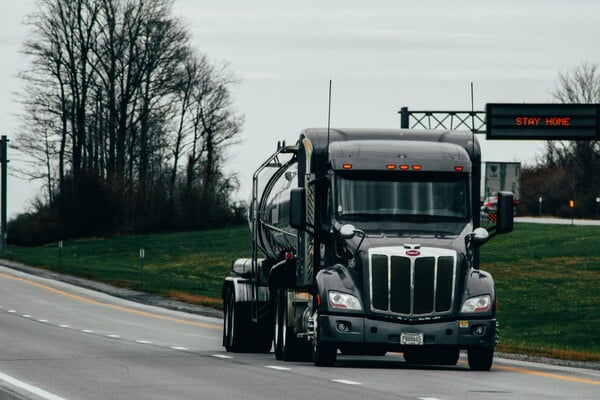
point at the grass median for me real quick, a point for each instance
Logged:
(547, 277)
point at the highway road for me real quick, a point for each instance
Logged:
(59, 341)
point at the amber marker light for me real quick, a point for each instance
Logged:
(404, 167)
(458, 168)
(347, 166)
(417, 167)
(391, 166)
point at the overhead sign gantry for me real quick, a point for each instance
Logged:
(514, 121)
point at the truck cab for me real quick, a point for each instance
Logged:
(374, 247)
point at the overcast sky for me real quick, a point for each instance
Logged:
(381, 55)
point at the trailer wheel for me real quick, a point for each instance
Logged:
(264, 340)
(279, 327)
(481, 358)
(323, 354)
(232, 329)
(287, 346)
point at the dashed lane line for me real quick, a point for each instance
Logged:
(278, 368)
(113, 306)
(223, 356)
(346, 382)
(112, 336)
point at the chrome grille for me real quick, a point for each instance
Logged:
(412, 285)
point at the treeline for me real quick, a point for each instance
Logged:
(567, 170)
(125, 123)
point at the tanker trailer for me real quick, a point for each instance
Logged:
(248, 307)
(365, 241)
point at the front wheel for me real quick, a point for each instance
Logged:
(480, 358)
(323, 354)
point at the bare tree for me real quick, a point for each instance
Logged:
(581, 157)
(115, 98)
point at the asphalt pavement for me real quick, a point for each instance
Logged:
(64, 341)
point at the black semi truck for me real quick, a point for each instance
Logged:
(367, 241)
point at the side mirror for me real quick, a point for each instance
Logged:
(480, 235)
(347, 231)
(298, 208)
(504, 221)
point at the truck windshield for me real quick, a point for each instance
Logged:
(408, 196)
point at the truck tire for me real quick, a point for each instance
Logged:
(323, 354)
(279, 328)
(481, 358)
(264, 340)
(287, 347)
(233, 338)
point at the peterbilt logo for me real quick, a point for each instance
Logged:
(412, 253)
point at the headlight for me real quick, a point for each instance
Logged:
(477, 304)
(344, 301)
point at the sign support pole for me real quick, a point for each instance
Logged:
(4, 167)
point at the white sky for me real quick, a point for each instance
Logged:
(380, 54)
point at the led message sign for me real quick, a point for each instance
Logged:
(543, 121)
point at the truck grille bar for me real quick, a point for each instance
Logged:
(412, 286)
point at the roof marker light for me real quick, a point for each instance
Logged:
(417, 167)
(347, 166)
(404, 167)
(458, 168)
(391, 166)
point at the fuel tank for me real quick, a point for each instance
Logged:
(270, 223)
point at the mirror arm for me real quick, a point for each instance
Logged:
(363, 235)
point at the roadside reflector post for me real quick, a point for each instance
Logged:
(60, 247)
(572, 206)
(142, 256)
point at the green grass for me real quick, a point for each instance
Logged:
(547, 277)
(189, 266)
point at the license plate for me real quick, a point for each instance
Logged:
(411, 338)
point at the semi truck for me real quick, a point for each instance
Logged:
(366, 241)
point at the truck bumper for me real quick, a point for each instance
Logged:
(343, 330)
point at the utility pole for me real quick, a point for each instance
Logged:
(4, 166)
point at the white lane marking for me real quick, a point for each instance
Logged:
(64, 326)
(12, 311)
(221, 356)
(346, 382)
(179, 348)
(42, 320)
(278, 368)
(26, 316)
(143, 342)
(113, 336)
(87, 331)
(29, 388)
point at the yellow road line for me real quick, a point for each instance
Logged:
(113, 306)
(538, 373)
(548, 375)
